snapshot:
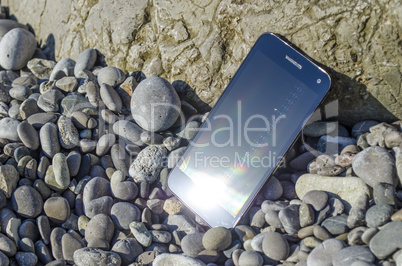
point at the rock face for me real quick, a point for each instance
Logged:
(204, 42)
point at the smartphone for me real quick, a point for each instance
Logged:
(249, 130)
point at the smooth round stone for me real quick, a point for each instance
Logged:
(27, 202)
(28, 135)
(9, 178)
(362, 127)
(26, 245)
(97, 187)
(28, 229)
(374, 165)
(120, 159)
(180, 223)
(306, 215)
(60, 170)
(110, 98)
(269, 205)
(162, 108)
(217, 238)
(100, 226)
(124, 213)
(174, 156)
(7, 246)
(67, 84)
(49, 139)
(192, 245)
(176, 259)
(148, 164)
(273, 189)
(334, 145)
(49, 100)
(4, 259)
(141, 233)
(384, 194)
(125, 190)
(321, 233)
(8, 24)
(189, 130)
(57, 209)
(317, 199)
(393, 139)
(387, 240)
(172, 206)
(8, 129)
(68, 133)
(26, 258)
(65, 65)
(272, 218)
(300, 162)
(71, 242)
(99, 243)
(319, 128)
(20, 93)
(85, 61)
(336, 206)
(289, 217)
(73, 162)
(111, 76)
(40, 119)
(72, 103)
(256, 242)
(160, 236)
(349, 255)
(250, 258)
(98, 205)
(105, 143)
(44, 228)
(150, 138)
(96, 256)
(336, 225)
(16, 48)
(128, 131)
(378, 215)
(275, 246)
(347, 188)
(325, 252)
(128, 250)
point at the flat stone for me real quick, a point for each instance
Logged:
(349, 255)
(306, 215)
(289, 218)
(346, 188)
(8, 129)
(379, 215)
(111, 76)
(375, 165)
(319, 128)
(40, 67)
(141, 233)
(336, 225)
(27, 202)
(9, 178)
(7, 246)
(49, 139)
(275, 246)
(317, 199)
(362, 127)
(49, 100)
(387, 240)
(110, 98)
(128, 131)
(334, 145)
(324, 253)
(176, 259)
(95, 256)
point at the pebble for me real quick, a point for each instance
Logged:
(105, 143)
(217, 238)
(387, 240)
(96, 256)
(192, 244)
(124, 213)
(355, 236)
(8, 129)
(347, 188)
(306, 215)
(41, 68)
(324, 253)
(20, 40)
(8, 24)
(67, 84)
(128, 131)
(49, 100)
(128, 250)
(161, 112)
(20, 93)
(7, 246)
(44, 228)
(111, 76)
(250, 258)
(27, 202)
(65, 67)
(300, 162)
(317, 199)
(349, 255)
(57, 209)
(336, 225)
(334, 145)
(174, 156)
(49, 139)
(336, 206)
(319, 128)
(85, 61)
(171, 143)
(28, 135)
(148, 164)
(362, 127)
(39, 119)
(275, 246)
(125, 191)
(384, 194)
(70, 242)
(176, 259)
(289, 217)
(9, 178)
(141, 233)
(99, 205)
(160, 236)
(273, 189)
(374, 165)
(173, 206)
(378, 215)
(68, 133)
(110, 98)
(100, 226)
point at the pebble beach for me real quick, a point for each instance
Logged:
(84, 164)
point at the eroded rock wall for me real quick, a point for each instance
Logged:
(203, 42)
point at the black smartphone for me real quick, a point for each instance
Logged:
(248, 131)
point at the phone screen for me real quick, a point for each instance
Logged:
(245, 136)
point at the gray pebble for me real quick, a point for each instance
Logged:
(20, 93)
(148, 164)
(334, 145)
(7, 246)
(384, 194)
(57, 209)
(111, 76)
(110, 98)
(27, 202)
(273, 205)
(160, 236)
(250, 258)
(120, 159)
(306, 215)
(85, 61)
(174, 156)
(15, 40)
(28, 229)
(368, 234)
(43, 252)
(65, 66)
(378, 215)
(95, 256)
(125, 190)
(319, 128)
(56, 242)
(26, 245)
(8, 24)
(128, 131)
(73, 162)
(26, 258)
(272, 218)
(67, 84)
(161, 112)
(192, 245)
(44, 228)
(104, 144)
(8, 129)
(317, 199)
(336, 225)
(289, 217)
(171, 143)
(99, 205)
(300, 162)
(336, 206)
(355, 236)
(40, 67)
(124, 213)
(176, 259)
(128, 250)
(60, 170)
(188, 131)
(325, 252)
(97, 187)
(40, 119)
(49, 139)
(150, 138)
(73, 102)
(68, 133)
(49, 101)
(349, 255)
(275, 246)
(374, 165)
(217, 238)
(273, 189)
(100, 226)
(362, 127)
(71, 242)
(141, 233)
